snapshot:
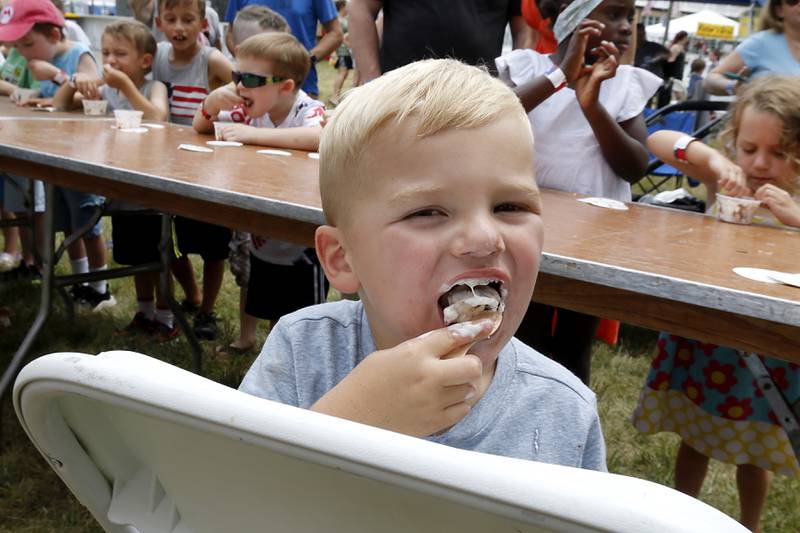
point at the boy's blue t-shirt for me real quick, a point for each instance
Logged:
(767, 52)
(68, 62)
(534, 408)
(302, 16)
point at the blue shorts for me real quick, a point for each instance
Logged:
(74, 209)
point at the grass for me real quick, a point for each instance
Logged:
(33, 499)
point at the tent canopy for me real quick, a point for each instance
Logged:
(689, 24)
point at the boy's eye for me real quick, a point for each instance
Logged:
(430, 212)
(509, 207)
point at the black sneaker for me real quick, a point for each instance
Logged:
(189, 307)
(205, 326)
(94, 300)
(140, 325)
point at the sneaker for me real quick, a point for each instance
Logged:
(8, 262)
(189, 307)
(161, 332)
(22, 271)
(140, 325)
(205, 326)
(93, 300)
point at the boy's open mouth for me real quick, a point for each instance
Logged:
(473, 299)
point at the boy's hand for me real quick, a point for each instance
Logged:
(239, 132)
(780, 203)
(115, 78)
(222, 99)
(36, 102)
(42, 70)
(575, 58)
(587, 86)
(413, 388)
(88, 86)
(730, 177)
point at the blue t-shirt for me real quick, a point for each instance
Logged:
(68, 62)
(767, 52)
(534, 408)
(302, 16)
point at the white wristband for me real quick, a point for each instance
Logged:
(556, 77)
(680, 147)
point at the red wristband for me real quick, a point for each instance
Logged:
(204, 112)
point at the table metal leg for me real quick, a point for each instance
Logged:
(165, 248)
(46, 297)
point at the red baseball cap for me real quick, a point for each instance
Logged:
(18, 17)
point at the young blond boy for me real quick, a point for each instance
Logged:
(36, 28)
(426, 177)
(268, 107)
(190, 71)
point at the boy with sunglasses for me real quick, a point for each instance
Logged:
(267, 107)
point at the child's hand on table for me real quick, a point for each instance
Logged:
(730, 177)
(36, 102)
(413, 388)
(780, 203)
(239, 132)
(88, 85)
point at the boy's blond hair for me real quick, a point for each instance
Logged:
(169, 4)
(438, 94)
(778, 96)
(135, 33)
(289, 59)
(255, 19)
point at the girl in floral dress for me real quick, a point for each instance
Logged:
(703, 392)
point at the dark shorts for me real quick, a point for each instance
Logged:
(208, 240)
(344, 62)
(277, 290)
(136, 238)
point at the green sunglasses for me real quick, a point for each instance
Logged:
(251, 81)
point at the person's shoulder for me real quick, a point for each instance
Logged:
(547, 373)
(761, 39)
(79, 47)
(340, 315)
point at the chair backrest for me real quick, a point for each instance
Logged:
(148, 447)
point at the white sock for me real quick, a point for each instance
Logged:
(147, 308)
(79, 266)
(165, 317)
(102, 285)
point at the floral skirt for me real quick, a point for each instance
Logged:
(706, 394)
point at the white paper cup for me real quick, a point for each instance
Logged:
(736, 210)
(128, 120)
(22, 95)
(218, 131)
(95, 107)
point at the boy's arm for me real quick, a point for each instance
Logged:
(702, 162)
(155, 108)
(219, 100)
(364, 37)
(413, 388)
(219, 70)
(298, 138)
(6, 88)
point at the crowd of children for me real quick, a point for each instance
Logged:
(410, 215)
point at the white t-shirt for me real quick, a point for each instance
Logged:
(567, 154)
(74, 32)
(305, 112)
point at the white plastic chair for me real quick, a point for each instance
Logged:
(149, 447)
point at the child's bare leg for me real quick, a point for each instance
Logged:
(184, 273)
(145, 287)
(341, 75)
(95, 251)
(213, 272)
(753, 484)
(690, 470)
(10, 235)
(76, 251)
(247, 324)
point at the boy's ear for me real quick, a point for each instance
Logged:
(287, 86)
(332, 253)
(146, 61)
